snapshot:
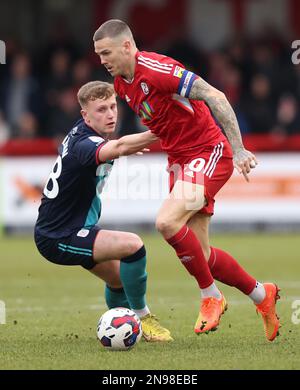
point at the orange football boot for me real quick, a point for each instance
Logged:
(268, 312)
(210, 314)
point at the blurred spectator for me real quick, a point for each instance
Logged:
(82, 73)
(263, 60)
(272, 58)
(59, 77)
(27, 126)
(60, 39)
(184, 51)
(20, 92)
(256, 75)
(240, 56)
(237, 50)
(4, 130)
(288, 117)
(258, 105)
(232, 84)
(64, 116)
(297, 80)
(218, 62)
(12, 48)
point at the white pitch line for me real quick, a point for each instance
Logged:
(98, 307)
(28, 309)
(280, 283)
(231, 301)
(289, 284)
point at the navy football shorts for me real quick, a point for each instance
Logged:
(76, 249)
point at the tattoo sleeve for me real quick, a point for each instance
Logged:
(221, 109)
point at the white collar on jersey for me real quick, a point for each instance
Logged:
(128, 82)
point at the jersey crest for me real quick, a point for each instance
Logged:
(145, 88)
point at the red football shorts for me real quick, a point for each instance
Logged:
(211, 166)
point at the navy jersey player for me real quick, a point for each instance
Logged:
(66, 232)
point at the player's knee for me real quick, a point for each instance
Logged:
(165, 226)
(134, 243)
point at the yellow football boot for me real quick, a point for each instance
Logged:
(153, 331)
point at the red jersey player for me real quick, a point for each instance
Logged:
(176, 105)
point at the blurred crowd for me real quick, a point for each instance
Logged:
(38, 89)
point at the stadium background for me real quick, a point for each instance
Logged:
(243, 48)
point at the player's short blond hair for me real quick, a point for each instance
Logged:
(112, 29)
(94, 90)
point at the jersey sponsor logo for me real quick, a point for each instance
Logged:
(178, 72)
(127, 98)
(83, 233)
(145, 88)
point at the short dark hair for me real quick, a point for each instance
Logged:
(94, 90)
(112, 29)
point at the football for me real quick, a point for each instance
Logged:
(119, 329)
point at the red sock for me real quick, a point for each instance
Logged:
(189, 251)
(227, 270)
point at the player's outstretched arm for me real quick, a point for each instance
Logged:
(222, 110)
(124, 146)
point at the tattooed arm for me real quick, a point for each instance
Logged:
(222, 110)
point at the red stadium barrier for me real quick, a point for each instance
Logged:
(25, 147)
(255, 143)
(272, 143)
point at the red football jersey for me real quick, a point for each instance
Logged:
(158, 94)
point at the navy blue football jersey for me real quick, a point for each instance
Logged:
(71, 198)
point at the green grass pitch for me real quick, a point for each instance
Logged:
(52, 311)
